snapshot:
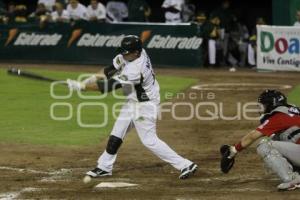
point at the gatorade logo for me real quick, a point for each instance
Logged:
(97, 40)
(33, 39)
(169, 42)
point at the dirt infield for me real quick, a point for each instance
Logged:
(39, 172)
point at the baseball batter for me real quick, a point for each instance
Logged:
(280, 149)
(132, 71)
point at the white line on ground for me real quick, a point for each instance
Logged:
(15, 195)
(239, 86)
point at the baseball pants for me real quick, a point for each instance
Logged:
(143, 117)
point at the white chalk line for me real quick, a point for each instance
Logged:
(239, 86)
(56, 175)
(55, 172)
(15, 195)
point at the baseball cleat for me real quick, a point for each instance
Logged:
(186, 172)
(97, 172)
(292, 185)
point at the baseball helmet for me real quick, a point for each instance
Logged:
(130, 43)
(271, 99)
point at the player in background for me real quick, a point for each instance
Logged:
(132, 70)
(280, 149)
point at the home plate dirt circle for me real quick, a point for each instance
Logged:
(240, 86)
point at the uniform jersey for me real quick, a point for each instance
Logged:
(286, 123)
(64, 15)
(173, 17)
(139, 76)
(116, 11)
(99, 13)
(48, 4)
(80, 12)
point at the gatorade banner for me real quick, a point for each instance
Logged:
(96, 43)
(278, 48)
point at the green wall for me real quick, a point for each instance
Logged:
(284, 11)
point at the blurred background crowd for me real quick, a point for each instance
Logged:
(227, 27)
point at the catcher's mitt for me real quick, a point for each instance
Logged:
(226, 163)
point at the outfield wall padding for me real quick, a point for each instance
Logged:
(97, 43)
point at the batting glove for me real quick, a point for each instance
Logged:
(75, 85)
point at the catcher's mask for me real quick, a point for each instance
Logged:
(271, 99)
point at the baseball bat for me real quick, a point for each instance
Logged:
(27, 74)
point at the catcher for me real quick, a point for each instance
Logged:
(280, 149)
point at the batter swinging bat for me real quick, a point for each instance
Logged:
(27, 74)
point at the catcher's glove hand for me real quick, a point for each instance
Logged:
(227, 160)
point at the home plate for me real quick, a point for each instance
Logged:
(114, 185)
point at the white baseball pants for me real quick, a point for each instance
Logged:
(143, 117)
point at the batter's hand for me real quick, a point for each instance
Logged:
(227, 157)
(75, 85)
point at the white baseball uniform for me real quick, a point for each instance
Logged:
(80, 12)
(64, 15)
(99, 12)
(48, 4)
(140, 111)
(173, 17)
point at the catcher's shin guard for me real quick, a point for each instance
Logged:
(275, 161)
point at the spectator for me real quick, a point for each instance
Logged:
(252, 51)
(252, 43)
(96, 11)
(211, 35)
(117, 11)
(237, 44)
(20, 13)
(172, 9)
(40, 13)
(188, 11)
(200, 18)
(259, 21)
(60, 14)
(10, 13)
(2, 13)
(138, 11)
(76, 10)
(49, 4)
(225, 14)
(297, 23)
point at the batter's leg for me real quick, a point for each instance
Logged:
(107, 159)
(145, 124)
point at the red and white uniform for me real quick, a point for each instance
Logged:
(283, 126)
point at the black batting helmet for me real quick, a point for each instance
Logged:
(130, 43)
(271, 99)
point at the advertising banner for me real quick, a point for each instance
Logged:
(96, 43)
(278, 48)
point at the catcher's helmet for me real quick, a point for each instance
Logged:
(271, 99)
(131, 43)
